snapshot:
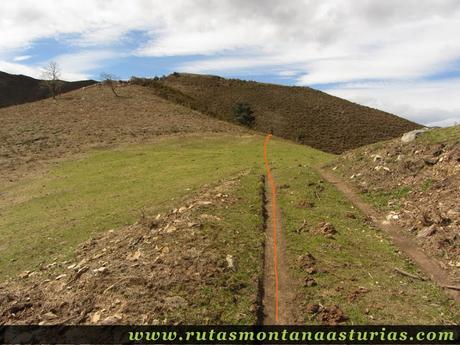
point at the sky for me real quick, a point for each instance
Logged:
(399, 56)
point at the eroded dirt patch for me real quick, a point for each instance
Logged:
(417, 186)
(167, 269)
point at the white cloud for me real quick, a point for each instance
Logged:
(333, 40)
(77, 66)
(22, 58)
(431, 103)
(100, 22)
(16, 68)
(287, 73)
(329, 41)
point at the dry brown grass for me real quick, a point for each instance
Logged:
(88, 118)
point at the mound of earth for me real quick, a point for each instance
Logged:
(19, 89)
(92, 117)
(418, 185)
(166, 269)
(303, 114)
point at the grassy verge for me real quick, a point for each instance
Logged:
(387, 200)
(449, 135)
(233, 230)
(355, 268)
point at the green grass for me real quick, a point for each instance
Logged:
(449, 135)
(381, 200)
(239, 234)
(359, 256)
(426, 184)
(43, 220)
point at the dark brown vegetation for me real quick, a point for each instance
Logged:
(90, 118)
(303, 114)
(19, 89)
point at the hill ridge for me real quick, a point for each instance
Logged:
(303, 114)
(16, 89)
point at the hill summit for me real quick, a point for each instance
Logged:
(303, 114)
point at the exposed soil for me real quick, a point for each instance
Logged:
(91, 118)
(302, 114)
(326, 229)
(419, 185)
(332, 315)
(287, 288)
(152, 272)
(426, 263)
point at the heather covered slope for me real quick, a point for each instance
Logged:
(19, 89)
(89, 118)
(298, 113)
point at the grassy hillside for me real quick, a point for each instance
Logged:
(19, 89)
(167, 269)
(155, 213)
(49, 216)
(44, 220)
(303, 114)
(89, 118)
(174, 268)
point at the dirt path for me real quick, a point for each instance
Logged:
(286, 290)
(406, 244)
(278, 290)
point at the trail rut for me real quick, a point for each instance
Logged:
(286, 289)
(278, 290)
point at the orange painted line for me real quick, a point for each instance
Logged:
(272, 184)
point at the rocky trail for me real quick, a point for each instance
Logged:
(427, 264)
(416, 184)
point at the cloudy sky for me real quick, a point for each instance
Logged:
(399, 56)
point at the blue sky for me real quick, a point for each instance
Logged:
(399, 56)
(126, 65)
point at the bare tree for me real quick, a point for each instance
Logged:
(50, 75)
(110, 81)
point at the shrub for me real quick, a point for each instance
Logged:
(300, 136)
(110, 81)
(244, 114)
